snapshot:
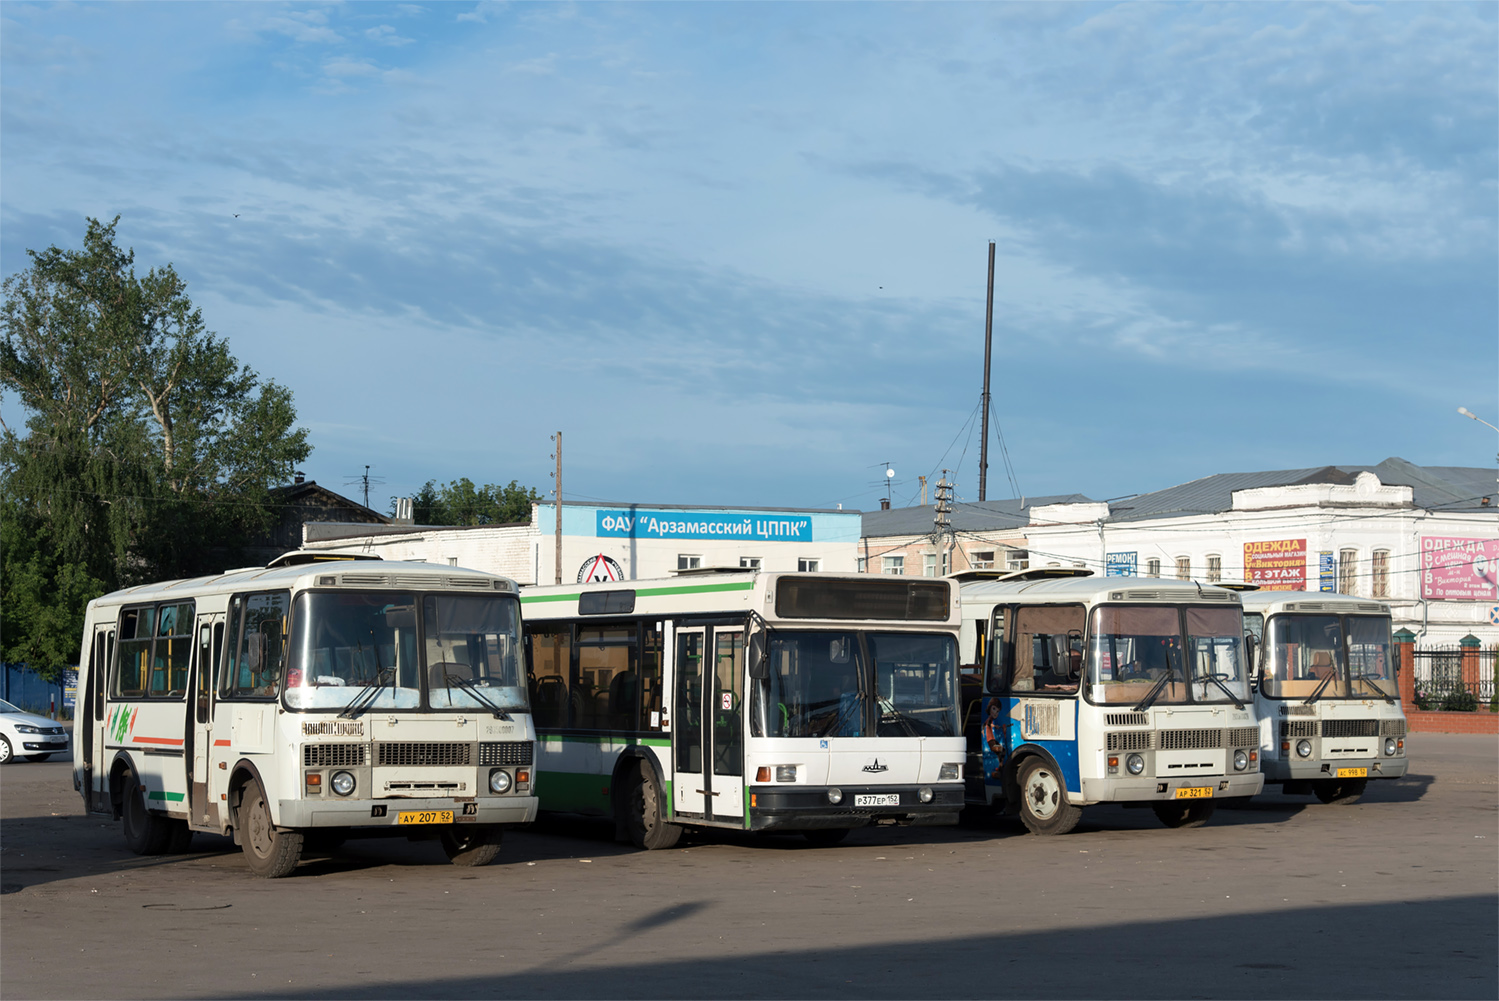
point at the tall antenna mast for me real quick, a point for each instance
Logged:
(988, 341)
(557, 493)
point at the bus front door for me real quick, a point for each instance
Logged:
(690, 787)
(203, 807)
(707, 724)
(90, 736)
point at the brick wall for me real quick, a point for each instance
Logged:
(1422, 721)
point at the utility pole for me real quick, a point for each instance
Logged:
(366, 485)
(557, 495)
(988, 341)
(942, 520)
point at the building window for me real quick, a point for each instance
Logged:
(1347, 571)
(893, 564)
(946, 562)
(687, 562)
(805, 565)
(1215, 569)
(1152, 568)
(749, 562)
(928, 564)
(452, 561)
(982, 560)
(863, 564)
(1184, 568)
(1017, 559)
(1380, 565)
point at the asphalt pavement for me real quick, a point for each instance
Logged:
(1394, 897)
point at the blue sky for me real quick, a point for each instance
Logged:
(737, 253)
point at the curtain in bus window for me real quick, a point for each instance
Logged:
(1215, 637)
(137, 625)
(1048, 648)
(728, 703)
(607, 687)
(1132, 647)
(916, 684)
(1369, 655)
(550, 655)
(473, 656)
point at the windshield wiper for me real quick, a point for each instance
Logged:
(1155, 690)
(1369, 679)
(371, 691)
(1318, 693)
(1238, 703)
(890, 714)
(472, 687)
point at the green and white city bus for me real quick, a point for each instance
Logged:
(805, 702)
(321, 697)
(1330, 715)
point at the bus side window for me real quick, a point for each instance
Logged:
(134, 645)
(549, 665)
(999, 655)
(1046, 638)
(650, 676)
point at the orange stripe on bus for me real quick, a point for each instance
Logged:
(221, 743)
(158, 740)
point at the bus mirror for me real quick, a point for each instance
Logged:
(756, 661)
(1251, 648)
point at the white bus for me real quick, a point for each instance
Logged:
(1106, 690)
(751, 701)
(295, 705)
(1330, 716)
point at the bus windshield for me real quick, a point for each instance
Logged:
(850, 684)
(473, 652)
(1304, 657)
(1134, 648)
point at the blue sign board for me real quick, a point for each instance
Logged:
(638, 524)
(1121, 564)
(1327, 571)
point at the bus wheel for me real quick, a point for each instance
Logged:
(644, 816)
(826, 836)
(145, 832)
(269, 852)
(1043, 800)
(1339, 792)
(471, 844)
(1174, 814)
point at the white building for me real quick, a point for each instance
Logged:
(616, 541)
(1423, 539)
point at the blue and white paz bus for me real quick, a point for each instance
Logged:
(1106, 690)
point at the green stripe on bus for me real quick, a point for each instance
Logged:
(603, 738)
(743, 585)
(170, 797)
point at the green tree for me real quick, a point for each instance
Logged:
(461, 503)
(148, 451)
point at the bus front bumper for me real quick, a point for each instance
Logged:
(1312, 769)
(1133, 790)
(332, 812)
(803, 808)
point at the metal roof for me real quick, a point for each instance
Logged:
(967, 516)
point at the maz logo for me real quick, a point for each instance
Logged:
(875, 766)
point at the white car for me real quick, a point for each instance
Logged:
(33, 737)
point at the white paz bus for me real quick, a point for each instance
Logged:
(295, 705)
(804, 702)
(1106, 690)
(1328, 702)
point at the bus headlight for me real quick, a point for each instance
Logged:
(1304, 748)
(924, 794)
(499, 781)
(1389, 746)
(1135, 763)
(785, 773)
(950, 772)
(835, 795)
(342, 783)
(1241, 761)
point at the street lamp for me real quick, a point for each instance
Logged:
(1472, 416)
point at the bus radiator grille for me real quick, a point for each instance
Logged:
(505, 752)
(424, 753)
(1190, 740)
(1350, 727)
(1130, 740)
(333, 755)
(1392, 728)
(1242, 736)
(1126, 719)
(1300, 728)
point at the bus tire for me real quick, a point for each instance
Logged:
(471, 844)
(644, 816)
(180, 839)
(1186, 814)
(1339, 792)
(826, 837)
(146, 833)
(269, 852)
(1043, 799)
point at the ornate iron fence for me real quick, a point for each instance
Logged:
(1454, 677)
